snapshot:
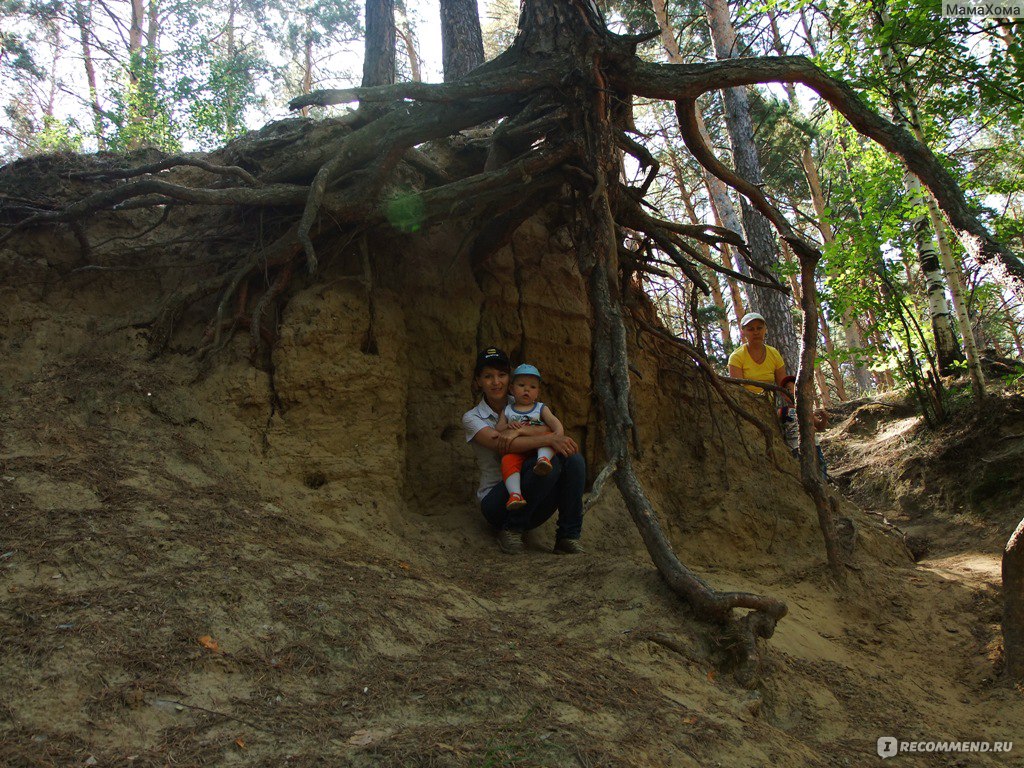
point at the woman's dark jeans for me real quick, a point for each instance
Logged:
(561, 490)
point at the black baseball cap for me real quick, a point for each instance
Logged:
(491, 357)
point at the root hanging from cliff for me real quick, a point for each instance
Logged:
(612, 387)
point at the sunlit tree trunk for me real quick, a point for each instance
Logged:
(691, 212)
(307, 63)
(718, 192)
(83, 19)
(153, 26)
(405, 31)
(230, 125)
(716, 288)
(775, 306)
(947, 351)
(958, 295)
(738, 305)
(462, 43)
(135, 64)
(54, 35)
(827, 235)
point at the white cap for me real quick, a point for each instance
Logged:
(751, 317)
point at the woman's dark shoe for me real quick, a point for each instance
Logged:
(569, 547)
(511, 542)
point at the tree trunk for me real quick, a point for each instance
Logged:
(230, 126)
(135, 64)
(83, 18)
(818, 200)
(307, 63)
(54, 35)
(716, 288)
(738, 305)
(1014, 327)
(810, 470)
(718, 192)
(775, 306)
(405, 31)
(379, 53)
(851, 325)
(947, 351)
(1013, 605)
(153, 26)
(462, 43)
(958, 295)
(135, 28)
(853, 336)
(830, 350)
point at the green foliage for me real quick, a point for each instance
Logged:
(141, 117)
(197, 83)
(59, 136)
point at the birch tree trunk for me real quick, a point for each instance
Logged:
(462, 42)
(958, 295)
(947, 351)
(775, 306)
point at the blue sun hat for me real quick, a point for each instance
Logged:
(526, 370)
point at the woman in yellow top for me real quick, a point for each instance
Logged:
(754, 359)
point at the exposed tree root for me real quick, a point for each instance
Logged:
(167, 164)
(810, 471)
(715, 381)
(611, 383)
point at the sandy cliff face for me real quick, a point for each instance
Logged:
(370, 375)
(372, 371)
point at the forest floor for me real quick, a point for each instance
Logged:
(158, 606)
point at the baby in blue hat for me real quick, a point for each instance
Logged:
(526, 410)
